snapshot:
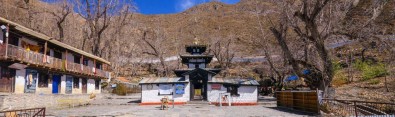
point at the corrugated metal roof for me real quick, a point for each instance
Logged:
(236, 81)
(161, 80)
(50, 40)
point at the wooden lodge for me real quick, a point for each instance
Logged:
(31, 62)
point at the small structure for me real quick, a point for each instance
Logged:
(31, 62)
(198, 83)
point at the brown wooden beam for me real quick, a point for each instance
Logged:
(6, 40)
(45, 52)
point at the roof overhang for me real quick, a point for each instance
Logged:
(44, 37)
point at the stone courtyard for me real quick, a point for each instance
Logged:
(127, 106)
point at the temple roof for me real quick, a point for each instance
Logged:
(196, 45)
(235, 81)
(185, 58)
(196, 56)
(181, 72)
(162, 80)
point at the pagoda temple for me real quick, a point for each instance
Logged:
(197, 82)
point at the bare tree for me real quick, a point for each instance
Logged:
(223, 52)
(60, 16)
(262, 43)
(98, 15)
(155, 48)
(308, 23)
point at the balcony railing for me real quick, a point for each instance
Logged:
(35, 58)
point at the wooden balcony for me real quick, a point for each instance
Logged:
(40, 60)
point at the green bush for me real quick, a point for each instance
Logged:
(370, 70)
(359, 65)
(336, 66)
(374, 81)
(374, 71)
(104, 85)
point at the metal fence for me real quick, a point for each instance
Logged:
(33, 112)
(357, 108)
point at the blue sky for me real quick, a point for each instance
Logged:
(170, 6)
(150, 7)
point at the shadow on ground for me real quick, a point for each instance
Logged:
(292, 111)
(135, 101)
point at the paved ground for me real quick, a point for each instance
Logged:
(128, 107)
(178, 111)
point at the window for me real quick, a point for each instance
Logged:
(232, 89)
(98, 65)
(77, 59)
(43, 80)
(85, 62)
(57, 54)
(97, 84)
(76, 83)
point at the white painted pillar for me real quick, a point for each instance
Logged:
(63, 84)
(20, 81)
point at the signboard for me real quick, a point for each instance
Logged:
(180, 88)
(165, 89)
(216, 86)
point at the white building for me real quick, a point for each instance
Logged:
(198, 83)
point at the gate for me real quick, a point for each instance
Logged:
(306, 101)
(33, 112)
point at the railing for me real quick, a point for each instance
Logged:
(34, 112)
(31, 57)
(357, 108)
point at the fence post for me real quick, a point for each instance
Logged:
(355, 109)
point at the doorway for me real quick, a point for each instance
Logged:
(69, 84)
(31, 81)
(55, 84)
(84, 83)
(199, 89)
(6, 79)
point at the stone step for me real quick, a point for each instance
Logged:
(197, 103)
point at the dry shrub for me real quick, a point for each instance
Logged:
(122, 89)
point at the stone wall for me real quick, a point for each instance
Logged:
(24, 101)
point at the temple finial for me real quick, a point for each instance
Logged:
(196, 42)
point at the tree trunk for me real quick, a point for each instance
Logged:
(61, 32)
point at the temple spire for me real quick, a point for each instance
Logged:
(196, 41)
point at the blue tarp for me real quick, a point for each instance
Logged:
(306, 72)
(290, 78)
